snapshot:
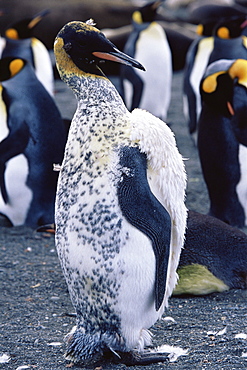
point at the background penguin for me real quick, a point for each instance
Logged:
(19, 42)
(120, 213)
(32, 138)
(214, 257)
(148, 44)
(222, 139)
(220, 38)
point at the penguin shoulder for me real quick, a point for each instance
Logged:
(154, 138)
(166, 170)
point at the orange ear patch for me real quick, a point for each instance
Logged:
(199, 29)
(11, 33)
(239, 70)
(209, 85)
(223, 33)
(15, 66)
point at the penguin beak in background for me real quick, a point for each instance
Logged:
(230, 108)
(119, 57)
(37, 18)
(156, 4)
(244, 24)
(49, 228)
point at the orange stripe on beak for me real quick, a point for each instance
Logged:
(230, 108)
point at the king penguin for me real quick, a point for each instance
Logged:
(32, 138)
(19, 42)
(219, 38)
(120, 214)
(222, 139)
(148, 44)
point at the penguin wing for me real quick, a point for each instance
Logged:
(188, 88)
(166, 177)
(143, 210)
(14, 144)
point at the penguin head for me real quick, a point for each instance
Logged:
(147, 13)
(80, 47)
(216, 88)
(10, 66)
(208, 16)
(218, 83)
(24, 28)
(230, 28)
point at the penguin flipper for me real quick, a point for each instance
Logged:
(19, 135)
(143, 210)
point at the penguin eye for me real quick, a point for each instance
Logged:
(67, 47)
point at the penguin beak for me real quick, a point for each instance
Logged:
(49, 228)
(230, 108)
(37, 18)
(119, 57)
(244, 24)
(156, 4)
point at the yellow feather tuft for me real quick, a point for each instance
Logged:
(196, 279)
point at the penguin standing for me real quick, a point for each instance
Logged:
(148, 44)
(32, 138)
(120, 214)
(220, 38)
(222, 139)
(20, 43)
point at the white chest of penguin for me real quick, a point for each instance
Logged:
(153, 51)
(102, 244)
(16, 174)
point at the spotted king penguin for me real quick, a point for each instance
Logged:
(222, 139)
(120, 214)
(220, 37)
(32, 138)
(19, 42)
(148, 44)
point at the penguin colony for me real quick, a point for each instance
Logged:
(32, 132)
(217, 109)
(120, 214)
(221, 36)
(18, 41)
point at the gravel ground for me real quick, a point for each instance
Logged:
(36, 311)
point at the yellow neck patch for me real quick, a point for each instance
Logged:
(65, 64)
(15, 66)
(223, 33)
(210, 83)
(137, 17)
(11, 33)
(239, 70)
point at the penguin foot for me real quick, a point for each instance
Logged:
(145, 358)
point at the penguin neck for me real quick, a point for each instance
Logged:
(91, 90)
(139, 27)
